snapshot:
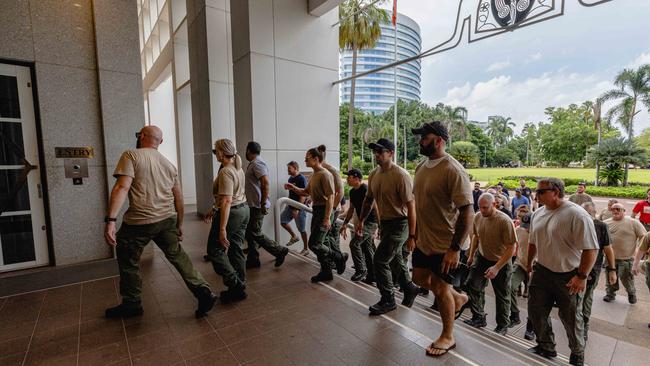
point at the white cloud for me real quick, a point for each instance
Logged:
(496, 66)
(534, 57)
(525, 100)
(643, 59)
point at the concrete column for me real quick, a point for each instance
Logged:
(284, 63)
(211, 88)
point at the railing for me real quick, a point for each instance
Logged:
(286, 201)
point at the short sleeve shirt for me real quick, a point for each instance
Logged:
(320, 186)
(580, 198)
(392, 189)
(357, 196)
(561, 235)
(495, 233)
(602, 234)
(256, 169)
(299, 181)
(229, 182)
(643, 208)
(441, 186)
(624, 235)
(338, 182)
(150, 196)
(522, 247)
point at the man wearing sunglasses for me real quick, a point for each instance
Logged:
(625, 233)
(563, 239)
(155, 213)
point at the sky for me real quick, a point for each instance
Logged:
(568, 59)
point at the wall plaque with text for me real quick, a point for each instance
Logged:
(74, 152)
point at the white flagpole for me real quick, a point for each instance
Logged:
(395, 88)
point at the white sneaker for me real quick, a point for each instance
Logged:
(305, 252)
(292, 241)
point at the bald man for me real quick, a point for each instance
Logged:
(155, 213)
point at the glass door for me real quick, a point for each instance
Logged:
(23, 239)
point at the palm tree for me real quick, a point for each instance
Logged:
(632, 87)
(500, 129)
(359, 28)
(529, 133)
(455, 118)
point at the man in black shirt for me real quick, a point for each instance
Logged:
(293, 214)
(602, 233)
(476, 193)
(362, 246)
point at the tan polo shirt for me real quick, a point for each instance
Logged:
(440, 187)
(494, 233)
(320, 186)
(522, 247)
(624, 235)
(338, 183)
(391, 189)
(150, 197)
(230, 182)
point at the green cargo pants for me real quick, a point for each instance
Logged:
(624, 275)
(518, 276)
(546, 288)
(389, 260)
(230, 264)
(333, 235)
(255, 238)
(362, 248)
(318, 242)
(131, 240)
(476, 284)
(588, 298)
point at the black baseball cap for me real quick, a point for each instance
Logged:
(354, 173)
(384, 144)
(436, 127)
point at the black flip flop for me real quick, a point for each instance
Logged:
(446, 350)
(460, 311)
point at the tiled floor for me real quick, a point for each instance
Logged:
(285, 321)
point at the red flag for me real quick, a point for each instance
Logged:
(394, 13)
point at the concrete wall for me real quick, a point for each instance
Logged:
(85, 54)
(285, 61)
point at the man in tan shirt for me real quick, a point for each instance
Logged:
(625, 233)
(392, 188)
(495, 238)
(321, 190)
(443, 196)
(580, 196)
(155, 213)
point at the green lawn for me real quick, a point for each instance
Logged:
(487, 174)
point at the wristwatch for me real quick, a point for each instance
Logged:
(610, 269)
(455, 247)
(581, 276)
(110, 219)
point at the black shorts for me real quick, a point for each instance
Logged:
(454, 277)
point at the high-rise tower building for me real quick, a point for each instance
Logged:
(375, 92)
